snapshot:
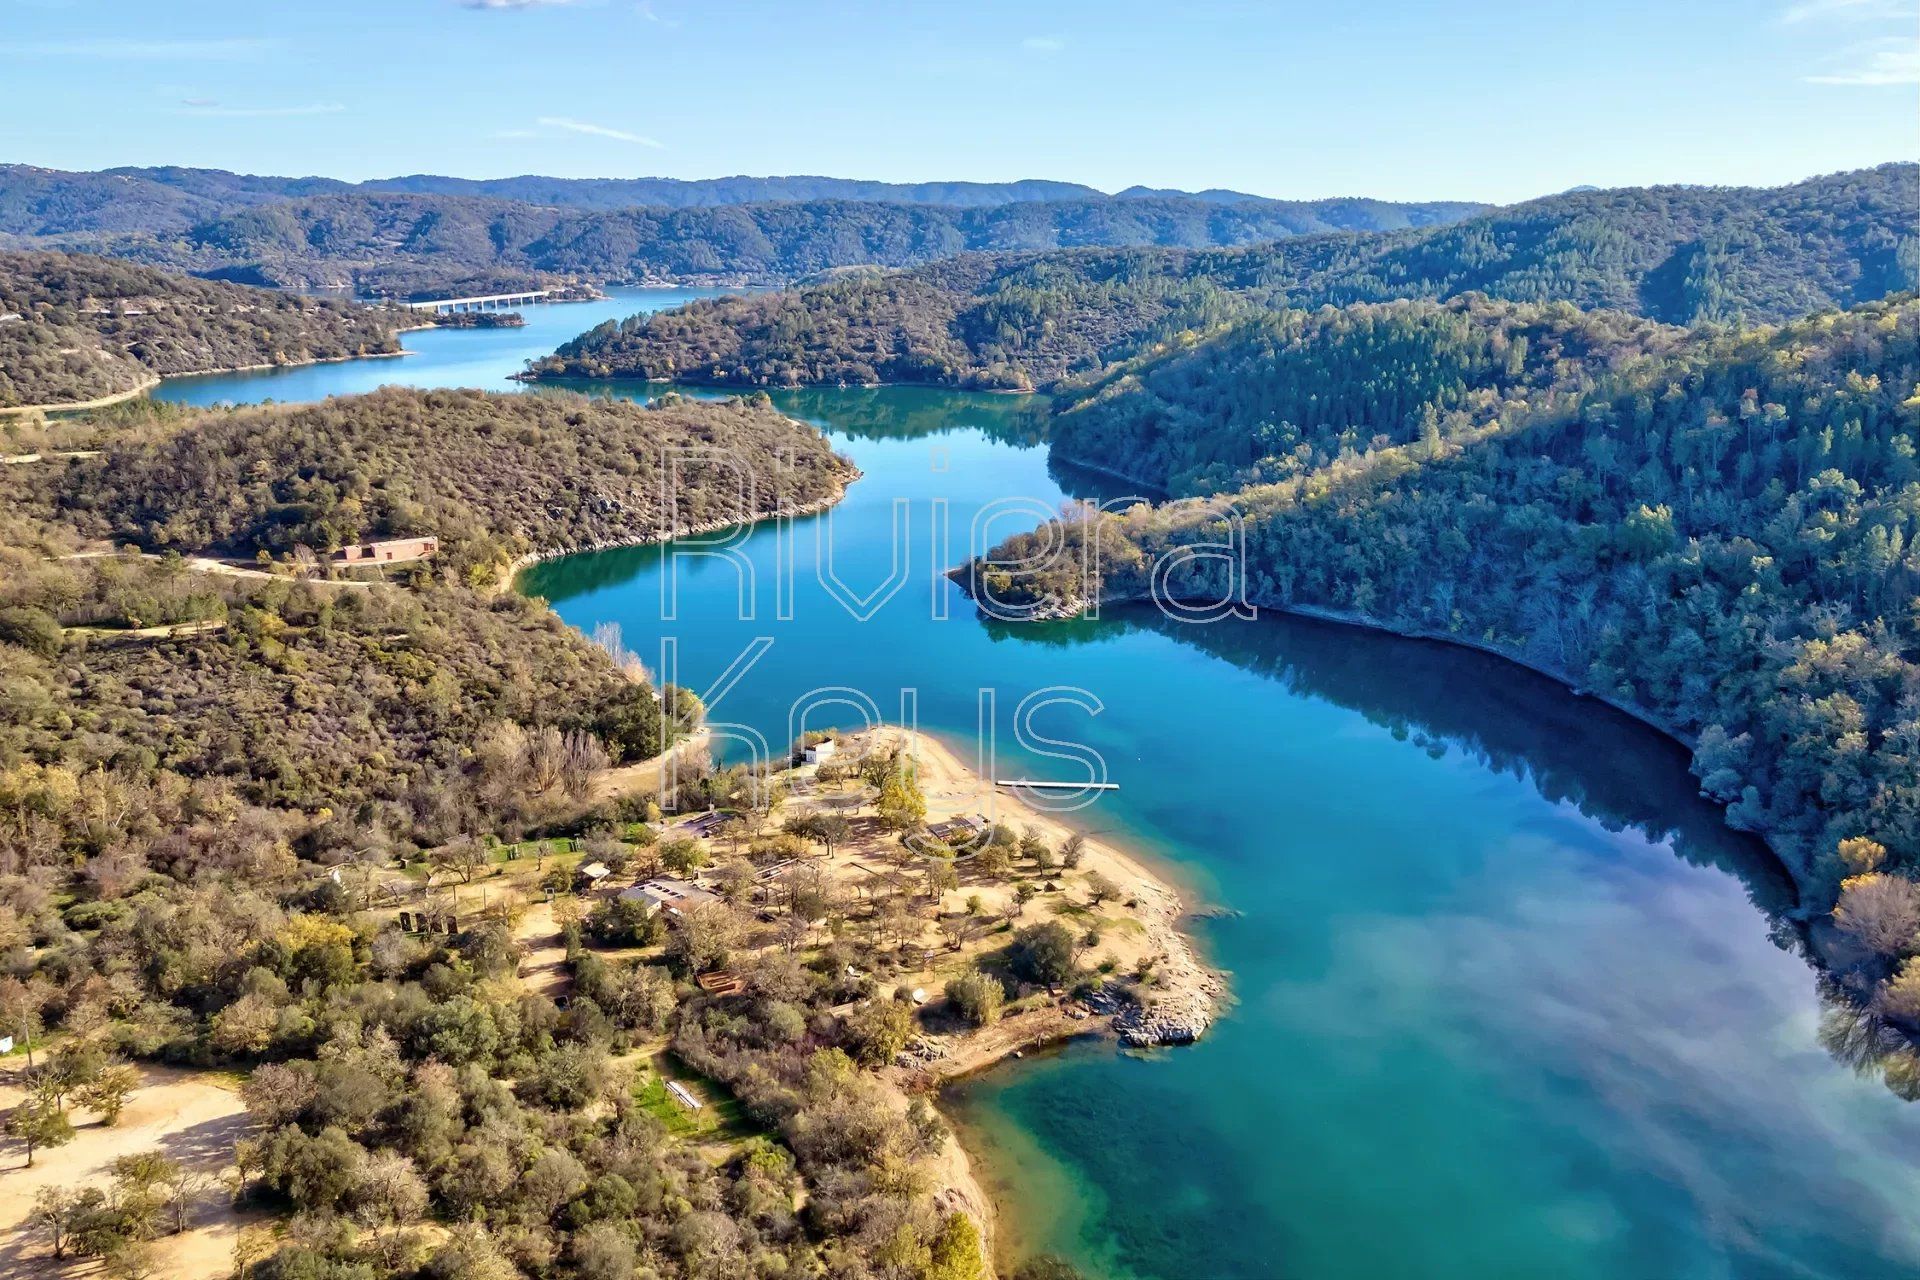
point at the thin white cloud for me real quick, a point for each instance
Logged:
(510, 4)
(1882, 62)
(647, 12)
(1846, 10)
(1043, 44)
(237, 49)
(570, 125)
(208, 107)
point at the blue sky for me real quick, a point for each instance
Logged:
(1488, 99)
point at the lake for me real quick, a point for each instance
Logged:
(1510, 1000)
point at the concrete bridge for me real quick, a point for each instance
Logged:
(486, 302)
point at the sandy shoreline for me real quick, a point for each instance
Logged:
(1181, 977)
(1183, 981)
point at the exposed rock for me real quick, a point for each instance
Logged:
(1178, 1011)
(920, 1052)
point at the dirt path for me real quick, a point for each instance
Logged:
(73, 406)
(165, 631)
(207, 564)
(22, 459)
(193, 1116)
(643, 777)
(544, 966)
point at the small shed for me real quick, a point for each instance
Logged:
(595, 871)
(955, 829)
(820, 752)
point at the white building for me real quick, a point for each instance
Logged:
(820, 752)
(665, 893)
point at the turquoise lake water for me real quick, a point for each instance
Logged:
(1510, 1001)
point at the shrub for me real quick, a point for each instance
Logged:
(977, 997)
(1044, 953)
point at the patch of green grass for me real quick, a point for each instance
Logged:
(658, 1103)
(558, 848)
(38, 1044)
(722, 1119)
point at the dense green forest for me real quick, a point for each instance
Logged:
(75, 328)
(374, 698)
(1288, 393)
(336, 239)
(424, 233)
(1682, 255)
(1719, 528)
(194, 822)
(384, 690)
(495, 477)
(169, 199)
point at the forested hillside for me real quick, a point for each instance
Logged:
(309, 696)
(77, 328)
(493, 476)
(329, 239)
(1288, 393)
(212, 837)
(975, 321)
(1682, 255)
(163, 201)
(703, 193)
(37, 202)
(1720, 529)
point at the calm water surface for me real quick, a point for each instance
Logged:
(485, 358)
(1511, 1002)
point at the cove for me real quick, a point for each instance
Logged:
(1510, 999)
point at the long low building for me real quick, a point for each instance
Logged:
(665, 893)
(392, 551)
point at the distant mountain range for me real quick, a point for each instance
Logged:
(393, 234)
(159, 199)
(1682, 255)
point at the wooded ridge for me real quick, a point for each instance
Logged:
(1682, 255)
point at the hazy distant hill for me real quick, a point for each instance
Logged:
(1215, 195)
(1678, 254)
(203, 194)
(406, 232)
(347, 238)
(676, 193)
